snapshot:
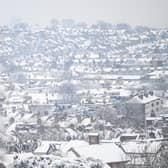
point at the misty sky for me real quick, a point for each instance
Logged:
(151, 13)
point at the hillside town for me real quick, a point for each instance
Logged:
(74, 95)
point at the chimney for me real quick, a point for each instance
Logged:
(140, 96)
(93, 138)
(146, 94)
(151, 93)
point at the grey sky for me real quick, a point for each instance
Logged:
(135, 12)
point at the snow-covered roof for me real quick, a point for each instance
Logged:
(112, 77)
(71, 131)
(143, 100)
(141, 147)
(93, 134)
(153, 118)
(5, 137)
(71, 144)
(44, 146)
(107, 152)
(11, 128)
(86, 121)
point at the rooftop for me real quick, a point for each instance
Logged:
(107, 152)
(143, 99)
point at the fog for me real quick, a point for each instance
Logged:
(151, 13)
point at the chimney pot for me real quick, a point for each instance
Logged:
(140, 96)
(93, 138)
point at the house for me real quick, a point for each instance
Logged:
(41, 109)
(108, 153)
(47, 147)
(156, 62)
(126, 137)
(142, 106)
(71, 133)
(141, 153)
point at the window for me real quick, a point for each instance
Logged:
(153, 114)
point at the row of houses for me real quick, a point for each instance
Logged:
(140, 154)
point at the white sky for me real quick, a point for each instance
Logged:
(135, 12)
